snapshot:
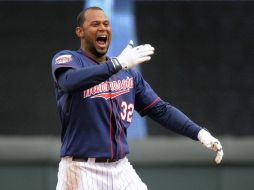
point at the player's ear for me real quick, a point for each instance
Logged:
(79, 31)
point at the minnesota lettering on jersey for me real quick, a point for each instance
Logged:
(110, 89)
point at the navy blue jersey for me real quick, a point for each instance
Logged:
(96, 103)
(94, 120)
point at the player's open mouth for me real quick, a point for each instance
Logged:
(101, 41)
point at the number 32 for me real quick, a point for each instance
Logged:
(127, 111)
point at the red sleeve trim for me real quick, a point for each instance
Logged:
(156, 100)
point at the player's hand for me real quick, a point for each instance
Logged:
(212, 143)
(132, 56)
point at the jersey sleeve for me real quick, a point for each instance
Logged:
(173, 119)
(148, 103)
(62, 60)
(145, 97)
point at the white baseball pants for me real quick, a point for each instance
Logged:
(75, 175)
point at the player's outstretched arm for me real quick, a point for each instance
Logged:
(175, 120)
(132, 56)
(212, 143)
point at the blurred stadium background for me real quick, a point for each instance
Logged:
(203, 65)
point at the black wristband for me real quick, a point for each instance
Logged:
(116, 63)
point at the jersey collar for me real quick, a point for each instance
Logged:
(91, 59)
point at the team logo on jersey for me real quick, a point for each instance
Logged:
(110, 90)
(63, 59)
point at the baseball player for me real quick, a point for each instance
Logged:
(96, 96)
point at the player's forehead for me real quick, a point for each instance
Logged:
(95, 15)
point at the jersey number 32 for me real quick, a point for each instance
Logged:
(127, 111)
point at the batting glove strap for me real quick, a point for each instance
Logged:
(116, 63)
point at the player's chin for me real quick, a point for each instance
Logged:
(101, 51)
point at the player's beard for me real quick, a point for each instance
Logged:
(93, 49)
(99, 53)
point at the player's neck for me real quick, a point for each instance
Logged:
(100, 59)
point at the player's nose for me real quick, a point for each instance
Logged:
(103, 27)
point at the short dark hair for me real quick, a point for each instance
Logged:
(81, 15)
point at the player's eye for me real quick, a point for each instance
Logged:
(95, 24)
(106, 24)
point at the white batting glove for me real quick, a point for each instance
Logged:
(212, 143)
(132, 56)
